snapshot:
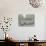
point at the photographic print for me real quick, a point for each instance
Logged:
(28, 20)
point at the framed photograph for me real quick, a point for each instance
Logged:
(28, 20)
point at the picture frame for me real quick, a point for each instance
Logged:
(28, 20)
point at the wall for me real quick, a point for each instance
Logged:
(12, 8)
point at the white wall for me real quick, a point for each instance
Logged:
(45, 28)
(12, 8)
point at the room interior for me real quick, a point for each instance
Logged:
(22, 23)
